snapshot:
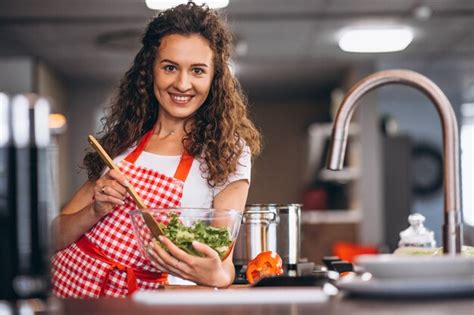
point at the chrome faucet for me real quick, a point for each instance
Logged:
(452, 228)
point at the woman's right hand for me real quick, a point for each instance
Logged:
(109, 191)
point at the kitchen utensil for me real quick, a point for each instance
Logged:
(110, 163)
(217, 228)
(275, 227)
(257, 233)
(152, 224)
(148, 218)
(289, 233)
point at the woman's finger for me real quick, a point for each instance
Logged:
(157, 265)
(156, 260)
(162, 266)
(176, 252)
(172, 264)
(112, 188)
(118, 187)
(164, 256)
(102, 197)
(119, 177)
(178, 272)
(205, 250)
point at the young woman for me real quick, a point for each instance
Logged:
(178, 125)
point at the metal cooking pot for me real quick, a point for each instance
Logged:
(274, 227)
(257, 233)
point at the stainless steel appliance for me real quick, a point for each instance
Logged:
(24, 236)
(274, 227)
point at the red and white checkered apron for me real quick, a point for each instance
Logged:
(106, 261)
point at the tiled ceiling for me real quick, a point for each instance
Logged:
(287, 41)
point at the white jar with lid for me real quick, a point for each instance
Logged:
(417, 235)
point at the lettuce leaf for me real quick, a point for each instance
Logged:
(182, 236)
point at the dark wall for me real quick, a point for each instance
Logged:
(278, 174)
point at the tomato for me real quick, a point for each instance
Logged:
(265, 264)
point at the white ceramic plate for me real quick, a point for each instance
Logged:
(408, 288)
(411, 267)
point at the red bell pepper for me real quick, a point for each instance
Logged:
(265, 264)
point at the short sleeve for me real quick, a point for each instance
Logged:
(244, 167)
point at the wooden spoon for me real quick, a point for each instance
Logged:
(147, 217)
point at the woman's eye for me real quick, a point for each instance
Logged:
(169, 68)
(198, 70)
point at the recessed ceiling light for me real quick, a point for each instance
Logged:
(375, 40)
(166, 4)
(422, 12)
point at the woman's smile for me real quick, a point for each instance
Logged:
(181, 99)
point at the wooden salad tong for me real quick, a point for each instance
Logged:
(147, 217)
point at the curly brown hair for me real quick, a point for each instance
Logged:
(221, 125)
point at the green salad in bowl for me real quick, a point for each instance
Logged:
(218, 238)
(217, 228)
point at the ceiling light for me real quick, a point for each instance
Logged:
(57, 123)
(166, 4)
(375, 40)
(422, 12)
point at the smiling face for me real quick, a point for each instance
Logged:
(182, 75)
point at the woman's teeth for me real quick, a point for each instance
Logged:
(181, 98)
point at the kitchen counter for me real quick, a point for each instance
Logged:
(336, 305)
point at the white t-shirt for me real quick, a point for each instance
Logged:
(196, 193)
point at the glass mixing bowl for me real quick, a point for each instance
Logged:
(217, 228)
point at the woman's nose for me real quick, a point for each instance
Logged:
(183, 82)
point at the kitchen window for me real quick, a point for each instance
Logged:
(467, 158)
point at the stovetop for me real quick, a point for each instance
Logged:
(303, 273)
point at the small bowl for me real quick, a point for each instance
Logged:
(217, 228)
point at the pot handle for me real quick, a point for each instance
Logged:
(274, 218)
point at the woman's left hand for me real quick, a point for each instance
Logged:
(207, 270)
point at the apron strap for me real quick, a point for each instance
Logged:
(184, 164)
(94, 251)
(133, 156)
(184, 167)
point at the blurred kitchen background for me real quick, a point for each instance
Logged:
(289, 62)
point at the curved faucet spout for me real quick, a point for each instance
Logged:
(452, 240)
